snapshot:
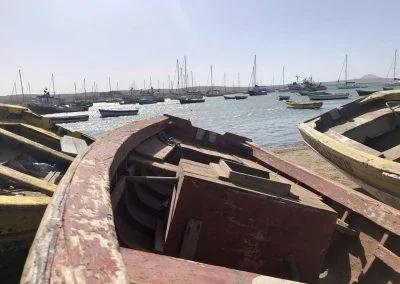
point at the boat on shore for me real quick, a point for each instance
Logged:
(363, 93)
(68, 118)
(168, 202)
(362, 138)
(320, 96)
(35, 155)
(115, 113)
(395, 84)
(283, 98)
(303, 105)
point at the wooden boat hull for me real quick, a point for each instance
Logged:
(284, 98)
(324, 97)
(42, 109)
(368, 167)
(26, 190)
(229, 97)
(84, 202)
(191, 101)
(298, 105)
(116, 113)
(363, 93)
(241, 97)
(68, 119)
(257, 93)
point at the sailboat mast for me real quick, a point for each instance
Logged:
(238, 81)
(255, 70)
(395, 59)
(109, 83)
(345, 71)
(52, 81)
(117, 86)
(211, 79)
(29, 88)
(185, 75)
(22, 87)
(225, 81)
(84, 87)
(283, 76)
(75, 91)
(177, 69)
(191, 74)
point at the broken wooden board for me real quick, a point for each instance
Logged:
(72, 145)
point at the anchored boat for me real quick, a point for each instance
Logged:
(363, 139)
(303, 105)
(166, 192)
(115, 113)
(68, 118)
(191, 100)
(35, 154)
(322, 96)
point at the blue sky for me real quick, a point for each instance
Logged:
(133, 40)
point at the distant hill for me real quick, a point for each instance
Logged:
(366, 79)
(370, 77)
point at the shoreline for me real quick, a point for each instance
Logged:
(304, 156)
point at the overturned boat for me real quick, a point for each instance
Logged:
(363, 139)
(156, 193)
(35, 154)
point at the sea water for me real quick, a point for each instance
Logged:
(264, 119)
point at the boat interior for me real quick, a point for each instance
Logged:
(34, 156)
(372, 127)
(189, 199)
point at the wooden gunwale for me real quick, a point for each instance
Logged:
(76, 240)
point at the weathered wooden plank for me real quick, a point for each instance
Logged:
(190, 239)
(372, 209)
(155, 149)
(117, 192)
(388, 257)
(72, 145)
(343, 228)
(159, 236)
(164, 167)
(151, 179)
(27, 180)
(35, 146)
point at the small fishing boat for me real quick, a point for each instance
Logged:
(362, 138)
(162, 201)
(395, 84)
(303, 105)
(115, 113)
(284, 98)
(320, 96)
(68, 118)
(193, 100)
(363, 93)
(388, 88)
(127, 100)
(229, 97)
(241, 97)
(35, 155)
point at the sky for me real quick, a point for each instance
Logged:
(130, 41)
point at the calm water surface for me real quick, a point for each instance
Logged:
(264, 119)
